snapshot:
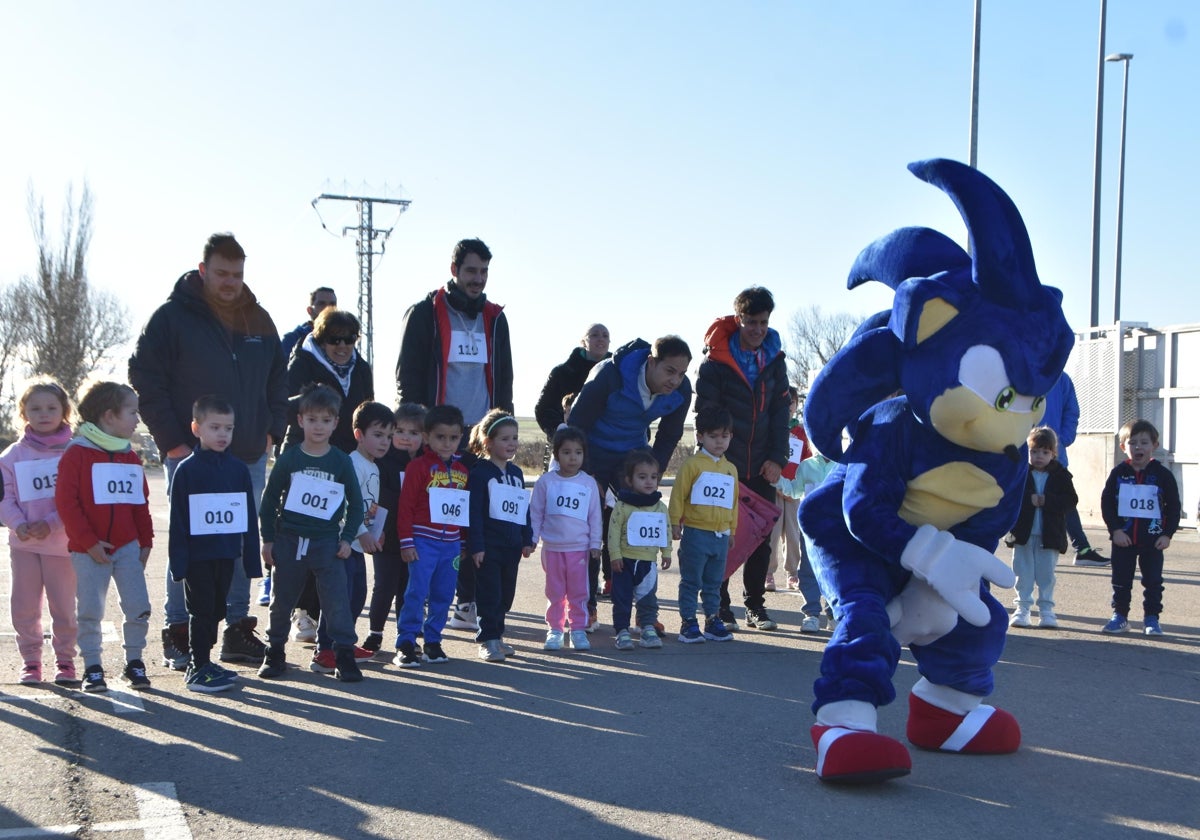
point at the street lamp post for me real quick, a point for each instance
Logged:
(1094, 298)
(1125, 58)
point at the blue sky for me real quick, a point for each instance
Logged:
(631, 163)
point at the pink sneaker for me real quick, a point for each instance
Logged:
(770, 585)
(65, 674)
(31, 672)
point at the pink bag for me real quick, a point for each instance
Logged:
(756, 520)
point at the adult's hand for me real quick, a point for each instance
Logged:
(770, 471)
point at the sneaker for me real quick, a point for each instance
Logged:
(323, 662)
(605, 591)
(507, 649)
(1020, 618)
(407, 655)
(490, 651)
(793, 583)
(176, 650)
(207, 678)
(624, 641)
(306, 627)
(554, 640)
(434, 654)
(770, 584)
(240, 643)
(593, 622)
(650, 637)
(690, 633)
(233, 675)
(810, 624)
(264, 591)
(728, 619)
(759, 619)
(464, 617)
(93, 679)
(362, 654)
(1090, 557)
(64, 674)
(1047, 619)
(1150, 626)
(347, 668)
(373, 643)
(1117, 624)
(829, 622)
(716, 631)
(31, 672)
(579, 640)
(135, 675)
(274, 664)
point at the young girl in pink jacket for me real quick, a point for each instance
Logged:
(37, 541)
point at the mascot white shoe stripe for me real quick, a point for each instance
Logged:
(969, 728)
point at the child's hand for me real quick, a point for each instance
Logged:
(666, 562)
(594, 554)
(1037, 500)
(144, 555)
(730, 543)
(617, 565)
(99, 552)
(408, 555)
(343, 550)
(676, 532)
(1162, 543)
(267, 556)
(526, 551)
(22, 532)
(39, 530)
(478, 558)
(369, 544)
(1121, 540)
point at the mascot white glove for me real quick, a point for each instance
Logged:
(952, 568)
(920, 616)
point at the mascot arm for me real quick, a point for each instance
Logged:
(952, 568)
(875, 485)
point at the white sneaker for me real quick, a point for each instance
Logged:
(464, 617)
(579, 640)
(554, 640)
(1020, 618)
(1047, 618)
(810, 624)
(306, 628)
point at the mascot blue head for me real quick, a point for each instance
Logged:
(974, 341)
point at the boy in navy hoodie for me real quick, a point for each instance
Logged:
(212, 524)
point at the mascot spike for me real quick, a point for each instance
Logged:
(904, 253)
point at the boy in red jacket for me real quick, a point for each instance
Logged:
(101, 500)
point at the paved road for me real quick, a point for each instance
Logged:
(688, 741)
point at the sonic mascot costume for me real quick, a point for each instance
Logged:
(905, 527)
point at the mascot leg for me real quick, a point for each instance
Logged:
(850, 751)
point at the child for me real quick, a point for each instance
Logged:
(37, 543)
(1040, 533)
(310, 511)
(101, 499)
(500, 533)
(1140, 505)
(639, 523)
(808, 475)
(373, 424)
(786, 534)
(390, 577)
(212, 527)
(434, 507)
(703, 513)
(565, 513)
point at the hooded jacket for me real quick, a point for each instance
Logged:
(15, 511)
(567, 378)
(305, 368)
(185, 352)
(88, 522)
(760, 411)
(1060, 498)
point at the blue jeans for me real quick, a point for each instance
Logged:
(431, 577)
(292, 566)
(237, 605)
(701, 570)
(356, 589)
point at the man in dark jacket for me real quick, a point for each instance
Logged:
(568, 378)
(746, 372)
(318, 299)
(212, 337)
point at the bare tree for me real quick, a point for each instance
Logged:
(813, 338)
(10, 332)
(66, 327)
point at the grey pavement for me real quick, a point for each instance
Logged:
(688, 741)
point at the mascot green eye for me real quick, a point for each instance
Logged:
(1038, 402)
(1005, 398)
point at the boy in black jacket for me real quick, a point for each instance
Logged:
(1140, 505)
(1040, 534)
(212, 524)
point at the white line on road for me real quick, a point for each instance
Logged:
(159, 816)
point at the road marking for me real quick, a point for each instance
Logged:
(125, 702)
(159, 816)
(108, 631)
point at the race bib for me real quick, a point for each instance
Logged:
(1138, 500)
(36, 479)
(795, 450)
(378, 520)
(319, 498)
(118, 484)
(508, 503)
(714, 489)
(566, 499)
(646, 528)
(217, 513)
(467, 347)
(449, 506)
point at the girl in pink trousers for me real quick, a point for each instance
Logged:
(36, 539)
(565, 514)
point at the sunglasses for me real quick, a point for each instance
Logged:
(349, 340)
